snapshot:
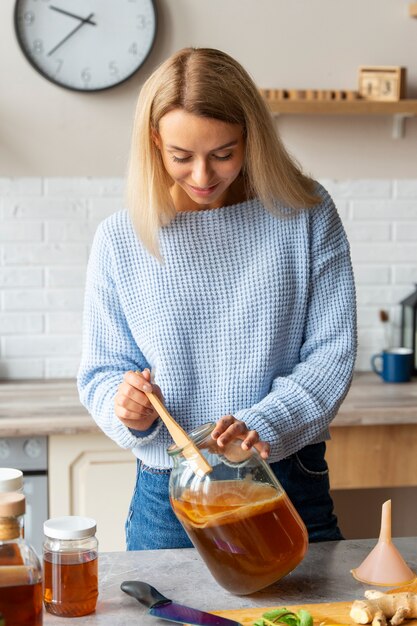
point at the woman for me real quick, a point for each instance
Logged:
(230, 277)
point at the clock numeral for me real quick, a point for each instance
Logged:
(141, 21)
(28, 18)
(59, 63)
(113, 69)
(86, 75)
(133, 49)
(37, 46)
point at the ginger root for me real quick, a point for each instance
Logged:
(380, 607)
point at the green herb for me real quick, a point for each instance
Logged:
(283, 616)
(306, 618)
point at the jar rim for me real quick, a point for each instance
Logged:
(197, 436)
(70, 527)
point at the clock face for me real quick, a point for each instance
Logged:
(85, 45)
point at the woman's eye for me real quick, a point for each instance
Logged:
(217, 157)
(225, 157)
(179, 159)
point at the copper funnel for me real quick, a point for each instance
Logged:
(384, 565)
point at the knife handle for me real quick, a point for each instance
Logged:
(144, 593)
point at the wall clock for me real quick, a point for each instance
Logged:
(86, 45)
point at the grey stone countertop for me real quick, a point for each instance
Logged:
(51, 406)
(181, 575)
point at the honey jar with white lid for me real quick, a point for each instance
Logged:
(70, 561)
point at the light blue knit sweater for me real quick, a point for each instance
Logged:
(250, 314)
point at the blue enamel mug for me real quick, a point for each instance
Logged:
(393, 365)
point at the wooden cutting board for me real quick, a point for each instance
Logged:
(325, 613)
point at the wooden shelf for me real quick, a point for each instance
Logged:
(413, 9)
(343, 107)
(400, 110)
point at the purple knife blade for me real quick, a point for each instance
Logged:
(186, 615)
(160, 606)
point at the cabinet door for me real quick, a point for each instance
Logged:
(372, 456)
(89, 475)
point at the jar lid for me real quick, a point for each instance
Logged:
(10, 479)
(70, 527)
(12, 504)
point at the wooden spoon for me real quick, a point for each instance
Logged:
(199, 464)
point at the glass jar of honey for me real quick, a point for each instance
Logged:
(20, 570)
(237, 515)
(70, 561)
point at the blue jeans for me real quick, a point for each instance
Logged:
(152, 524)
(305, 477)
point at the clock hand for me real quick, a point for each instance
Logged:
(74, 30)
(87, 21)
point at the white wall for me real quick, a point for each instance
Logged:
(49, 131)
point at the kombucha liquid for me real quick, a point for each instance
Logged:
(70, 583)
(248, 536)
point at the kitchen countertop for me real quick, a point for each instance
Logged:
(51, 406)
(181, 575)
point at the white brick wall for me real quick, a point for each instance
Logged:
(380, 217)
(46, 226)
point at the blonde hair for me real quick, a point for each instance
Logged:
(208, 83)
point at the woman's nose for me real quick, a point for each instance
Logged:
(202, 173)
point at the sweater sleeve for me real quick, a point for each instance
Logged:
(299, 407)
(109, 349)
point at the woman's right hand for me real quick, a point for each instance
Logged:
(131, 404)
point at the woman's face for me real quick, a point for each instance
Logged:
(204, 157)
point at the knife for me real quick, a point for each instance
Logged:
(160, 606)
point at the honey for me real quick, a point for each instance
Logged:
(248, 534)
(70, 583)
(21, 605)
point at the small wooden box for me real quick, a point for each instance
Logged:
(382, 83)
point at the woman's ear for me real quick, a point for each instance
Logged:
(156, 138)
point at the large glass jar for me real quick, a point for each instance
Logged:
(237, 516)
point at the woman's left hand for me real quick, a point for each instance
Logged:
(228, 428)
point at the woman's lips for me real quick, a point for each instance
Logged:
(206, 191)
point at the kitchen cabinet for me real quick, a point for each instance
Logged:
(90, 475)
(374, 436)
(373, 456)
